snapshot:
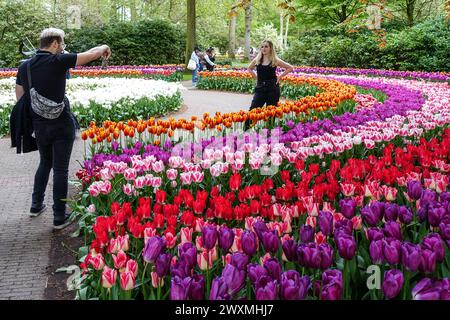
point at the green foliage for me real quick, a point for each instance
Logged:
(425, 46)
(18, 20)
(125, 109)
(143, 42)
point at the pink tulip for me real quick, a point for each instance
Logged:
(120, 260)
(132, 266)
(172, 174)
(171, 240)
(186, 235)
(156, 281)
(109, 277)
(127, 281)
(130, 174)
(97, 261)
(128, 189)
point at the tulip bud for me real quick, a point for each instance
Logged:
(392, 283)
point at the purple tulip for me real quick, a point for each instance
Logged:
(390, 211)
(433, 242)
(306, 234)
(325, 222)
(219, 290)
(273, 268)
(343, 225)
(266, 289)
(392, 250)
(226, 238)
(392, 283)
(422, 213)
(392, 229)
(405, 215)
(331, 285)
(233, 278)
(373, 213)
(239, 260)
(163, 264)
(411, 255)
(444, 230)
(427, 289)
(375, 233)
(435, 213)
(294, 287)
(348, 207)
(249, 243)
(270, 241)
(179, 288)
(260, 227)
(290, 250)
(326, 256)
(376, 251)
(256, 271)
(153, 248)
(209, 236)
(414, 189)
(444, 197)
(181, 269)
(427, 197)
(197, 287)
(428, 261)
(188, 253)
(346, 245)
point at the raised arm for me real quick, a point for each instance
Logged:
(288, 69)
(251, 68)
(93, 54)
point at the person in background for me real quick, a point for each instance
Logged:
(53, 125)
(212, 58)
(267, 90)
(195, 56)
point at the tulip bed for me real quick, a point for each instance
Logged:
(298, 208)
(99, 99)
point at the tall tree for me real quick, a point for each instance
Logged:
(328, 12)
(288, 12)
(248, 27)
(232, 32)
(191, 28)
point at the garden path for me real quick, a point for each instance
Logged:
(25, 242)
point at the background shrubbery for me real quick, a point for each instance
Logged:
(425, 46)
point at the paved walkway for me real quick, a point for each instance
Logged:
(25, 242)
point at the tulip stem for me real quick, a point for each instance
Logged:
(406, 286)
(142, 281)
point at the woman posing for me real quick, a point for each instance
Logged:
(267, 90)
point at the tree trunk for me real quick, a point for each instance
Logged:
(281, 27)
(133, 10)
(191, 29)
(286, 34)
(410, 6)
(232, 35)
(248, 29)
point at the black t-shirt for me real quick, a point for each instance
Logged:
(48, 76)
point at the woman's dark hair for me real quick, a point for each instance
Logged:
(197, 49)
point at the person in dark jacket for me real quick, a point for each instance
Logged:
(52, 123)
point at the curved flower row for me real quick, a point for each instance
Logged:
(166, 72)
(333, 93)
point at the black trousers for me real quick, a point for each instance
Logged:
(266, 93)
(55, 144)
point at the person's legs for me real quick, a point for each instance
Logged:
(194, 77)
(259, 99)
(273, 96)
(42, 174)
(62, 149)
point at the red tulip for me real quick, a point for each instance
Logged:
(109, 277)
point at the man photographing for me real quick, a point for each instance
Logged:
(41, 82)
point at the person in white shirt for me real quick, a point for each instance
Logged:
(195, 57)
